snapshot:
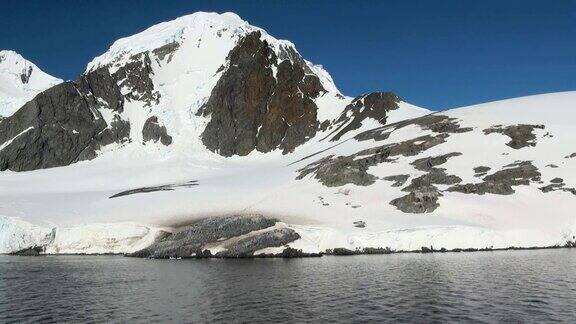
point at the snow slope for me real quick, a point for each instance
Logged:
(20, 81)
(268, 186)
(71, 207)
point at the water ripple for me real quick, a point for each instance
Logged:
(513, 286)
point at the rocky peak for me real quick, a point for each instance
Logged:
(242, 89)
(262, 101)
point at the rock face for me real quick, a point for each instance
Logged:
(423, 199)
(247, 246)
(152, 131)
(66, 123)
(520, 135)
(262, 101)
(51, 130)
(62, 125)
(232, 232)
(375, 105)
(135, 76)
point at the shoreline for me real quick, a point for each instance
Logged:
(291, 253)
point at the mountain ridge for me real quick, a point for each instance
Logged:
(239, 93)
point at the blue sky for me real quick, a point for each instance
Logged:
(435, 54)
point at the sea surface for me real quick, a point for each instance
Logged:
(507, 286)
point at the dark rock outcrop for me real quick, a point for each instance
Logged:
(32, 251)
(399, 180)
(166, 51)
(481, 171)
(557, 184)
(192, 240)
(118, 131)
(135, 76)
(423, 196)
(152, 131)
(51, 130)
(338, 171)
(63, 124)
(423, 199)
(375, 105)
(502, 181)
(25, 74)
(515, 174)
(253, 109)
(360, 224)
(434, 176)
(441, 124)
(341, 252)
(520, 135)
(426, 164)
(247, 246)
(481, 188)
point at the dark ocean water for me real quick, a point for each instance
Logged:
(511, 286)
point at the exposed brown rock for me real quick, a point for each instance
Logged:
(251, 109)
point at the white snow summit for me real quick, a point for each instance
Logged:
(20, 81)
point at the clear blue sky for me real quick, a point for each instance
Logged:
(436, 54)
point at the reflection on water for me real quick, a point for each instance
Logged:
(511, 286)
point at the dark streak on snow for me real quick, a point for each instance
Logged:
(167, 187)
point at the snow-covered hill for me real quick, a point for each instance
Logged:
(20, 81)
(208, 116)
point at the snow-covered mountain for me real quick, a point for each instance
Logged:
(20, 81)
(208, 118)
